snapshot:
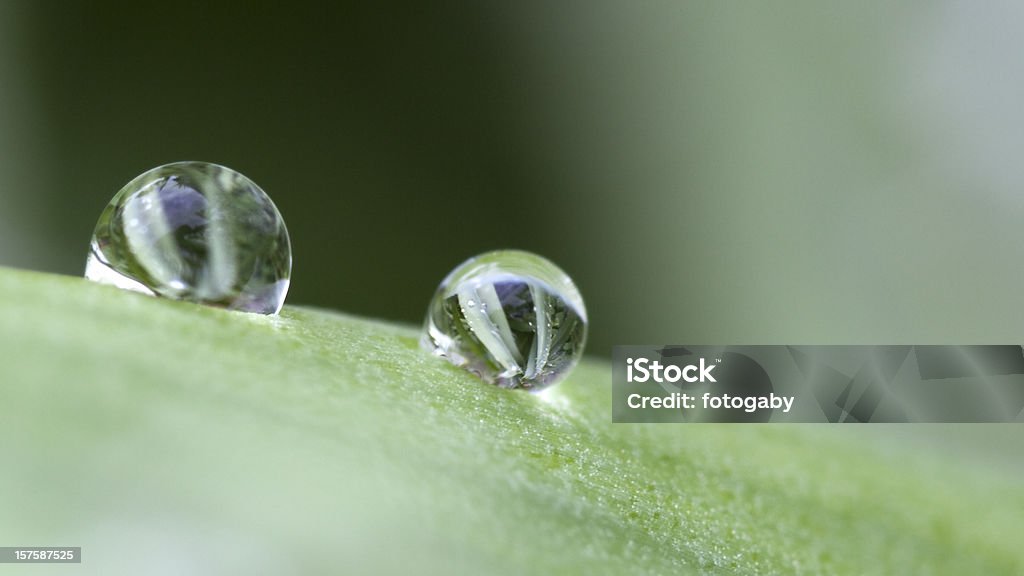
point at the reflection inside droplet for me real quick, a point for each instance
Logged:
(511, 317)
(194, 231)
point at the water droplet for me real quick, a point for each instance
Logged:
(198, 232)
(511, 317)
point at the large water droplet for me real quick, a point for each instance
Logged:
(194, 231)
(513, 318)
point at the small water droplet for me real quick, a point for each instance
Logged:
(194, 231)
(511, 317)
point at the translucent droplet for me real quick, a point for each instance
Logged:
(198, 232)
(511, 317)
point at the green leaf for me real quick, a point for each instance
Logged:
(165, 437)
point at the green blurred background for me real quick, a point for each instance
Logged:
(709, 173)
(798, 172)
